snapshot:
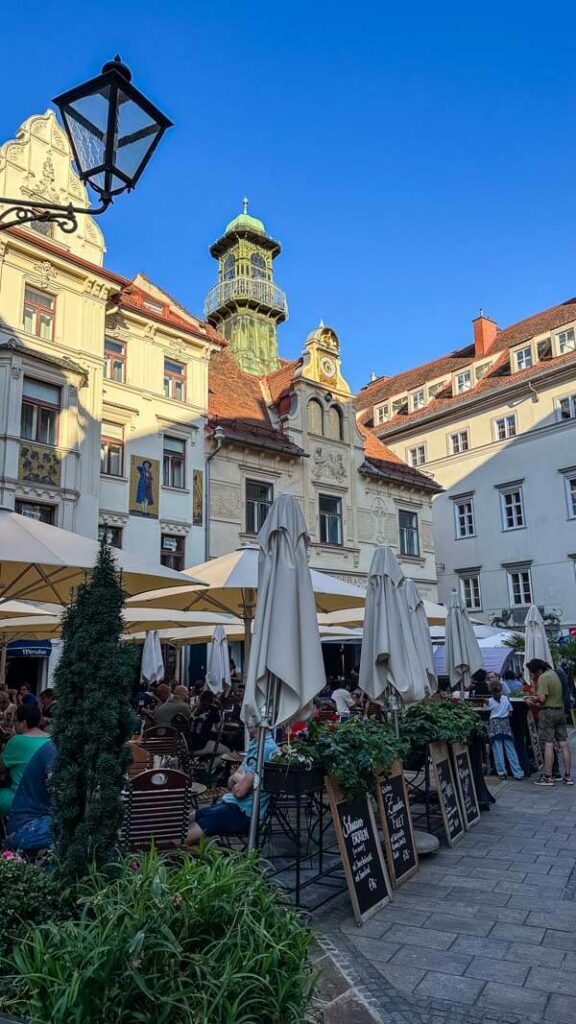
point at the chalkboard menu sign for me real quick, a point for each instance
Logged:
(399, 839)
(534, 741)
(447, 794)
(465, 784)
(361, 853)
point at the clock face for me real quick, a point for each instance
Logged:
(328, 366)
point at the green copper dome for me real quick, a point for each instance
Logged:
(244, 222)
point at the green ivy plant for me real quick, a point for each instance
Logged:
(352, 752)
(434, 720)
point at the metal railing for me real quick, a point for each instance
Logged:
(246, 288)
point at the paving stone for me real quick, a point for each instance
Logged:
(569, 962)
(375, 949)
(479, 896)
(433, 959)
(562, 921)
(518, 933)
(332, 983)
(526, 1002)
(400, 976)
(461, 925)
(560, 940)
(420, 937)
(480, 947)
(537, 955)
(561, 1010)
(552, 981)
(497, 970)
(403, 915)
(527, 902)
(450, 987)
(510, 914)
(374, 928)
(349, 1009)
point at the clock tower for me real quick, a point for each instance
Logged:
(321, 362)
(246, 305)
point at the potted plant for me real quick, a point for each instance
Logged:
(356, 751)
(293, 771)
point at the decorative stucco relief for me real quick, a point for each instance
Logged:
(328, 465)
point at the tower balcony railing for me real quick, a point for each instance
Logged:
(251, 289)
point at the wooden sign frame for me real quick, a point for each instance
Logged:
(461, 750)
(395, 772)
(534, 740)
(439, 753)
(336, 798)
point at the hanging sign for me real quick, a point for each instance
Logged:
(361, 852)
(399, 839)
(447, 794)
(534, 740)
(465, 784)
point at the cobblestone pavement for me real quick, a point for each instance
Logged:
(485, 932)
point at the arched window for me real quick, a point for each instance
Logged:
(229, 268)
(334, 423)
(258, 265)
(315, 417)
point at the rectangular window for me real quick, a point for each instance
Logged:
(464, 518)
(417, 455)
(523, 358)
(434, 389)
(462, 382)
(112, 449)
(39, 313)
(259, 498)
(512, 509)
(39, 414)
(115, 360)
(471, 593)
(544, 349)
(174, 380)
(41, 513)
(399, 405)
(570, 485)
(174, 462)
(172, 551)
(417, 399)
(111, 535)
(409, 539)
(520, 587)
(479, 371)
(567, 408)
(459, 442)
(330, 519)
(505, 426)
(566, 341)
(380, 414)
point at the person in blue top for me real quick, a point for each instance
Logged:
(231, 815)
(29, 821)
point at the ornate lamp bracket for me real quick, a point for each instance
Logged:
(25, 211)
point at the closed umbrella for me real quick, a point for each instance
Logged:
(152, 666)
(535, 642)
(463, 656)
(286, 668)
(421, 632)
(218, 661)
(389, 658)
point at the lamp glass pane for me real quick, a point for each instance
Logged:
(136, 133)
(87, 120)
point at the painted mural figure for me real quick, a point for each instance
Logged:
(145, 493)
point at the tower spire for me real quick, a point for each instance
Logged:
(245, 204)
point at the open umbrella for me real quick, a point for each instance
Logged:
(390, 659)
(286, 668)
(39, 562)
(462, 653)
(435, 615)
(137, 621)
(421, 632)
(218, 661)
(535, 642)
(152, 665)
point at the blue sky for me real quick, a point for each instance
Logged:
(415, 160)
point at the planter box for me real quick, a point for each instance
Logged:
(292, 779)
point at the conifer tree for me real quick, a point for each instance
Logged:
(92, 723)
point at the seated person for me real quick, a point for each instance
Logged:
(7, 710)
(231, 815)
(479, 685)
(171, 706)
(25, 696)
(19, 750)
(47, 706)
(28, 825)
(205, 718)
(514, 683)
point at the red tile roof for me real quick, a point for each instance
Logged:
(281, 380)
(132, 297)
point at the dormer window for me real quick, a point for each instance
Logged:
(480, 371)
(400, 405)
(417, 400)
(566, 341)
(523, 358)
(154, 307)
(381, 414)
(462, 382)
(434, 389)
(544, 349)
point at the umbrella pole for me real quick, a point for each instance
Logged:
(264, 725)
(3, 649)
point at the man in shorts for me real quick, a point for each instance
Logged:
(551, 719)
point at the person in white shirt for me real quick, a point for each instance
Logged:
(501, 734)
(343, 700)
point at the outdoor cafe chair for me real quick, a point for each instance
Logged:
(141, 760)
(157, 810)
(161, 740)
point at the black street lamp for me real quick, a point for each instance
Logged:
(113, 131)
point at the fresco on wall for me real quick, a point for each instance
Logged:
(144, 479)
(198, 498)
(39, 465)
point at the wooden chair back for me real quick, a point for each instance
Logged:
(157, 811)
(161, 740)
(141, 761)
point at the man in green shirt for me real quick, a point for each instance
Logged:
(551, 719)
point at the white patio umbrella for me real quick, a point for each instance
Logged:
(435, 616)
(286, 668)
(39, 562)
(421, 632)
(152, 665)
(389, 658)
(218, 661)
(463, 655)
(535, 641)
(137, 621)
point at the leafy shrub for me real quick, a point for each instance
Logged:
(436, 720)
(29, 896)
(353, 751)
(206, 941)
